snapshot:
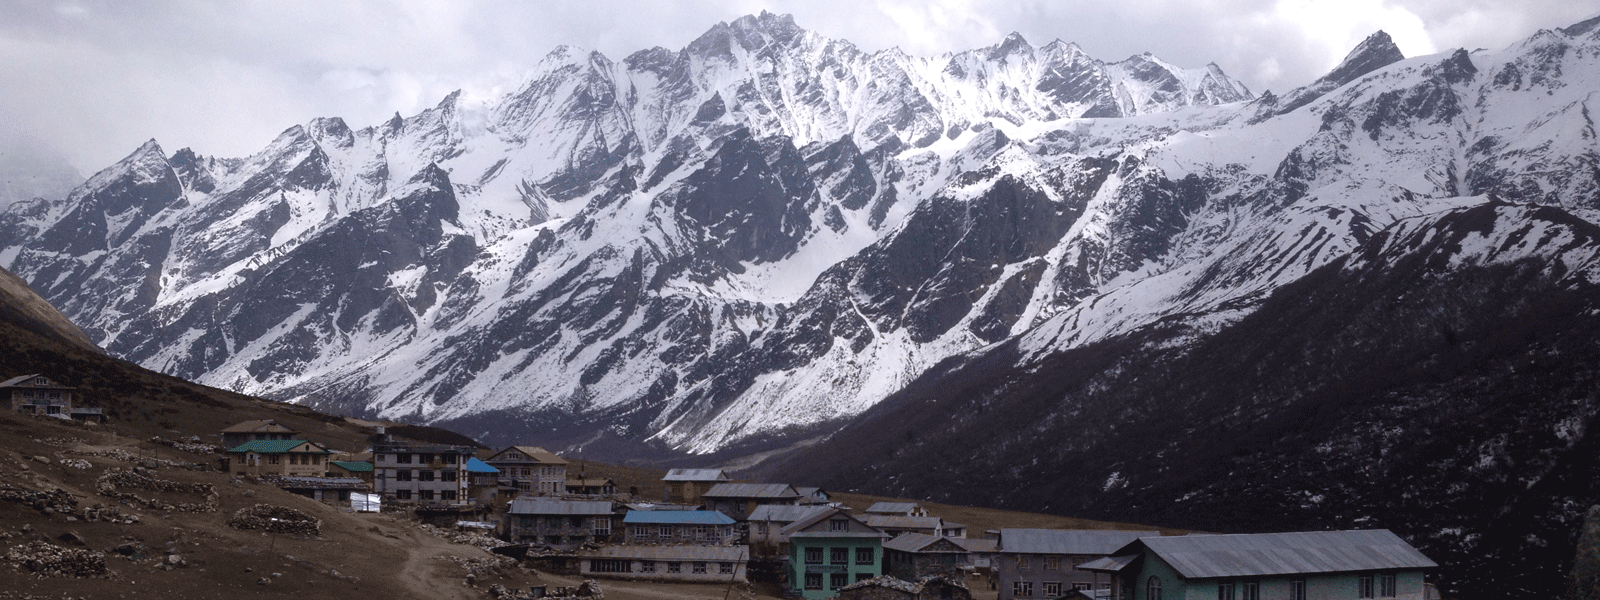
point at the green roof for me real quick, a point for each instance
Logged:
(274, 447)
(354, 466)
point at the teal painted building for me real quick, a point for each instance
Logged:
(832, 549)
(1319, 565)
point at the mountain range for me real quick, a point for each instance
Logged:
(1366, 301)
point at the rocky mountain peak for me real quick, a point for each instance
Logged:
(1375, 52)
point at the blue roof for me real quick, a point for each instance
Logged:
(477, 466)
(676, 517)
(354, 466)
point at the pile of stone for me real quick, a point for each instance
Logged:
(276, 519)
(109, 514)
(142, 461)
(48, 502)
(187, 444)
(588, 590)
(115, 480)
(76, 463)
(470, 538)
(61, 441)
(45, 559)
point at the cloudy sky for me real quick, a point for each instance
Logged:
(97, 78)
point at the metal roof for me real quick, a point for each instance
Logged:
(477, 466)
(276, 447)
(16, 380)
(354, 466)
(1244, 555)
(904, 522)
(262, 425)
(530, 454)
(552, 506)
(316, 483)
(979, 545)
(696, 475)
(751, 490)
(1067, 541)
(893, 508)
(783, 513)
(919, 542)
(676, 517)
(1109, 564)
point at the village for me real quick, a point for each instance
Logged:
(701, 526)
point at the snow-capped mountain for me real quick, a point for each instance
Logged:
(629, 242)
(763, 235)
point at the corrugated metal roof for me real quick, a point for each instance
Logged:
(696, 475)
(477, 466)
(15, 380)
(260, 425)
(1244, 555)
(1067, 541)
(903, 522)
(751, 490)
(354, 466)
(533, 454)
(1109, 564)
(919, 542)
(676, 517)
(276, 447)
(892, 508)
(979, 545)
(783, 513)
(552, 506)
(682, 552)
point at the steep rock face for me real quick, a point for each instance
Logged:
(1372, 392)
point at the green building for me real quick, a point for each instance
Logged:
(832, 549)
(1316, 565)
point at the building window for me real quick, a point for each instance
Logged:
(448, 495)
(424, 458)
(525, 521)
(1225, 591)
(838, 556)
(865, 556)
(813, 581)
(814, 557)
(674, 567)
(1364, 586)
(601, 526)
(447, 476)
(1249, 590)
(402, 458)
(1386, 587)
(272, 459)
(1082, 585)
(1052, 589)
(610, 566)
(648, 566)
(641, 531)
(838, 580)
(402, 495)
(1297, 589)
(552, 539)
(664, 532)
(699, 568)
(702, 533)
(426, 494)
(725, 568)
(402, 475)
(1022, 563)
(1052, 563)
(1022, 589)
(1152, 588)
(426, 475)
(838, 524)
(761, 529)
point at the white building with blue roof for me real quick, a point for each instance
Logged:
(698, 527)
